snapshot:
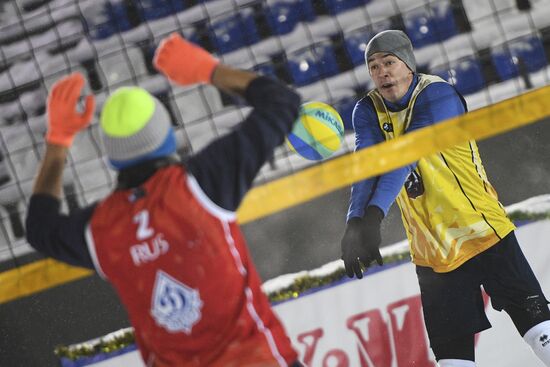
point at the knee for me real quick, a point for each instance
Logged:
(533, 312)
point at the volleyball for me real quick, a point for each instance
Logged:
(317, 133)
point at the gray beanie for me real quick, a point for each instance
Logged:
(135, 126)
(394, 42)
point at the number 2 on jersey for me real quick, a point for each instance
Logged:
(143, 230)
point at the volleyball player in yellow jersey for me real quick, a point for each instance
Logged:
(460, 237)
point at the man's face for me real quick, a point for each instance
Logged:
(391, 76)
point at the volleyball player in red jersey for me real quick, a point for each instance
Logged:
(167, 237)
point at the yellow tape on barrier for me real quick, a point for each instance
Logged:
(324, 178)
(36, 277)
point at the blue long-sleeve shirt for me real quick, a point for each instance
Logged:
(437, 102)
(225, 170)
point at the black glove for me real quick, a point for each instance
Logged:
(361, 242)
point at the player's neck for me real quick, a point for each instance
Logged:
(403, 102)
(135, 176)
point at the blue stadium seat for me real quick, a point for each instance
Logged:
(118, 15)
(307, 13)
(234, 31)
(338, 6)
(266, 69)
(425, 27)
(420, 28)
(345, 108)
(107, 19)
(98, 22)
(155, 9)
(465, 74)
(356, 43)
(282, 16)
(528, 50)
(444, 20)
(312, 63)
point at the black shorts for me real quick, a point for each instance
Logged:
(452, 302)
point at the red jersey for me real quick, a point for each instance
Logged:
(180, 265)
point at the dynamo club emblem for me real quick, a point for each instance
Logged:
(175, 306)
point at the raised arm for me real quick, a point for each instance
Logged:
(226, 168)
(64, 122)
(56, 235)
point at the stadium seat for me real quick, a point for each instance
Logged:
(476, 10)
(98, 22)
(196, 103)
(427, 26)
(356, 43)
(29, 103)
(444, 20)
(118, 15)
(312, 63)
(8, 12)
(15, 193)
(85, 146)
(91, 180)
(234, 31)
(200, 133)
(525, 52)
(123, 67)
(5, 176)
(283, 15)
(106, 18)
(23, 136)
(339, 6)
(266, 68)
(12, 221)
(420, 28)
(345, 108)
(465, 74)
(155, 9)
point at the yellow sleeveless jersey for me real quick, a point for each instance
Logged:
(458, 216)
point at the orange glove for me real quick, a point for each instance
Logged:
(64, 122)
(183, 62)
